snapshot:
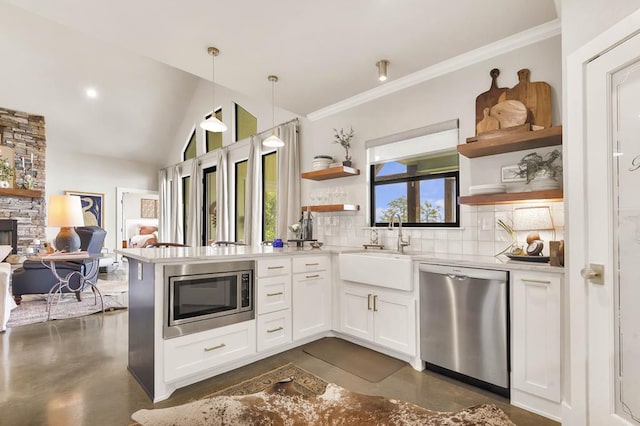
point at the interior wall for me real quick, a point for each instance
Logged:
(448, 97)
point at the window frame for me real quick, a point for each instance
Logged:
(235, 196)
(263, 156)
(409, 179)
(205, 205)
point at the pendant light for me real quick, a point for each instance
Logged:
(273, 141)
(212, 124)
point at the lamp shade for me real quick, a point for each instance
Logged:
(65, 211)
(212, 124)
(532, 219)
(273, 142)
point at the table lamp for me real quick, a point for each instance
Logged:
(65, 211)
(533, 219)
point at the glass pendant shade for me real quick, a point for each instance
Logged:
(212, 124)
(273, 142)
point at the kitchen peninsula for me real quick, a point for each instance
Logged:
(299, 295)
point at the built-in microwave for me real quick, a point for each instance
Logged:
(207, 295)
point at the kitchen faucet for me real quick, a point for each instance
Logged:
(401, 242)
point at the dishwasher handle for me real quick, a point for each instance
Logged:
(457, 277)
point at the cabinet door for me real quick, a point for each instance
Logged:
(311, 303)
(395, 321)
(273, 329)
(536, 333)
(356, 316)
(273, 294)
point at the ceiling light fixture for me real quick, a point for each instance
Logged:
(273, 141)
(91, 93)
(382, 65)
(212, 124)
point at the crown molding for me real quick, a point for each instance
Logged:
(500, 47)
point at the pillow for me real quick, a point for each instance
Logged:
(146, 230)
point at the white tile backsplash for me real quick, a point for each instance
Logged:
(479, 233)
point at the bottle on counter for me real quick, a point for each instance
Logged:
(307, 226)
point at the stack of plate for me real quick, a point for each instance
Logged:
(321, 162)
(487, 189)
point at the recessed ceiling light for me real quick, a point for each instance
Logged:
(91, 93)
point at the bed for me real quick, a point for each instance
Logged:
(140, 232)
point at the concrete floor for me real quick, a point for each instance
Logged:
(74, 372)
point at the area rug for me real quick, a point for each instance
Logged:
(111, 288)
(33, 308)
(283, 404)
(362, 362)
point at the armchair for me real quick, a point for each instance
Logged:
(36, 278)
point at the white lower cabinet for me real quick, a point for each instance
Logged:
(274, 329)
(311, 296)
(536, 328)
(194, 353)
(385, 317)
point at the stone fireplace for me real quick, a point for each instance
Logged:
(25, 134)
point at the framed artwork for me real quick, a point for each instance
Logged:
(510, 174)
(148, 208)
(92, 207)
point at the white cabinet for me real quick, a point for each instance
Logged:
(311, 296)
(195, 353)
(536, 299)
(273, 329)
(385, 317)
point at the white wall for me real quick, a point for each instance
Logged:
(447, 97)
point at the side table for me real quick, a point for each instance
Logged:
(64, 282)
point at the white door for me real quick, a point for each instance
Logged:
(612, 178)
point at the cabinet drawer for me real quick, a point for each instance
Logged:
(274, 329)
(274, 267)
(198, 352)
(273, 294)
(310, 263)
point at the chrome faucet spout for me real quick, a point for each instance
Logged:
(401, 243)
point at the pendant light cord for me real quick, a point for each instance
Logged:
(213, 85)
(273, 107)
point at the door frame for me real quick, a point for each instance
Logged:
(575, 397)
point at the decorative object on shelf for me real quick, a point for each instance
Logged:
(316, 244)
(556, 253)
(509, 113)
(382, 65)
(488, 123)
(7, 169)
(65, 211)
(513, 247)
(295, 229)
(486, 100)
(344, 139)
(533, 219)
(535, 96)
(273, 141)
(321, 162)
(511, 174)
(92, 207)
(212, 124)
(544, 171)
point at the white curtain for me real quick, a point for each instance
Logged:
(222, 195)
(288, 210)
(170, 220)
(194, 234)
(253, 195)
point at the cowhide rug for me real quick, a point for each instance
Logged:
(281, 404)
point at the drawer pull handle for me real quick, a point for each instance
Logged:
(275, 294)
(213, 348)
(528, 280)
(368, 302)
(375, 303)
(275, 329)
(312, 264)
(275, 267)
(313, 276)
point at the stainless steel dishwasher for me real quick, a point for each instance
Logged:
(464, 324)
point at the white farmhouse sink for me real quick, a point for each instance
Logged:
(390, 270)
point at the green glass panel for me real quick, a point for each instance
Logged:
(213, 140)
(246, 123)
(241, 190)
(210, 205)
(190, 151)
(269, 194)
(186, 194)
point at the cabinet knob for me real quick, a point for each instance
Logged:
(594, 273)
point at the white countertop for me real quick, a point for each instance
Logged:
(201, 254)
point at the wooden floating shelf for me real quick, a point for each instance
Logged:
(512, 142)
(18, 192)
(332, 208)
(331, 173)
(549, 195)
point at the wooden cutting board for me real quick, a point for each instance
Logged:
(510, 113)
(536, 96)
(488, 123)
(490, 97)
